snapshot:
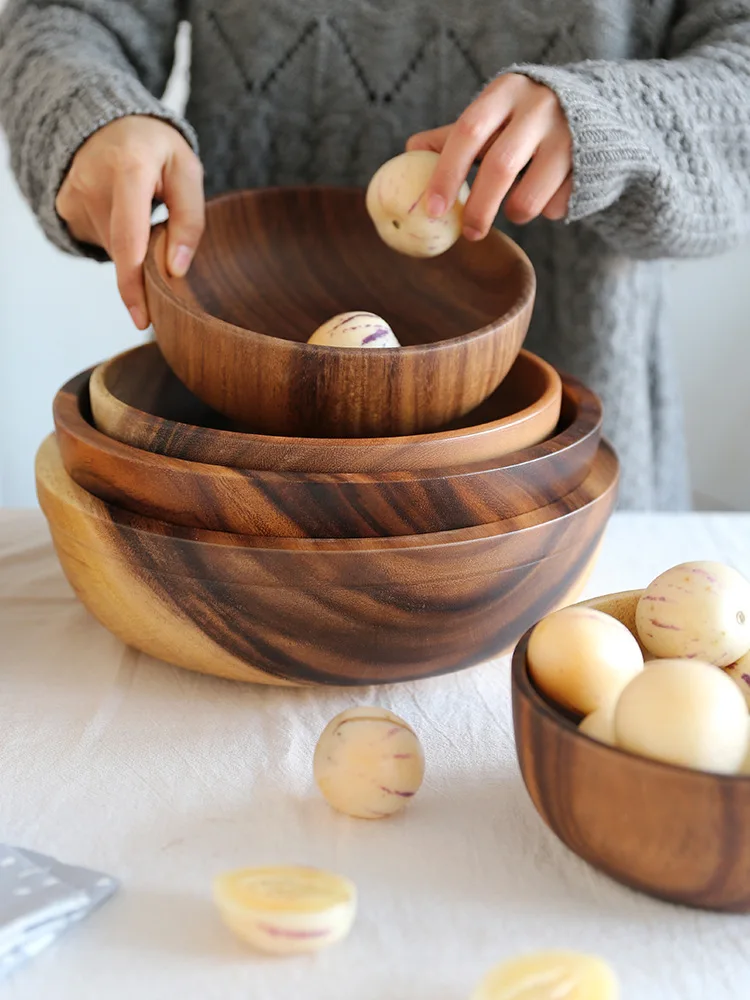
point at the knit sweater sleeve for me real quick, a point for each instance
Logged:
(68, 68)
(661, 148)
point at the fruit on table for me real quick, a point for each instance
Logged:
(397, 205)
(286, 910)
(583, 658)
(698, 610)
(355, 329)
(368, 763)
(684, 712)
(553, 975)
(600, 725)
(740, 674)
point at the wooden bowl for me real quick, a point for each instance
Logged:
(319, 505)
(137, 399)
(274, 264)
(676, 834)
(322, 611)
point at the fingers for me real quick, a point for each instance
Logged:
(183, 195)
(129, 231)
(465, 142)
(507, 157)
(558, 205)
(432, 140)
(545, 176)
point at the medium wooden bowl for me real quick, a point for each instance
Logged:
(322, 611)
(317, 505)
(676, 834)
(276, 263)
(137, 399)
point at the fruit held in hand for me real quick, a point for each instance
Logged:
(684, 712)
(698, 610)
(368, 763)
(553, 975)
(355, 329)
(397, 205)
(582, 658)
(286, 910)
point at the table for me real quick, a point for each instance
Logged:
(164, 778)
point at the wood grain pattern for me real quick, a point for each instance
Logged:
(675, 834)
(138, 400)
(302, 505)
(274, 264)
(322, 611)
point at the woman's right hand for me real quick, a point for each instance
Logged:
(107, 195)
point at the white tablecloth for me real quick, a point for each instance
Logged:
(164, 778)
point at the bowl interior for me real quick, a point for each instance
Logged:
(282, 261)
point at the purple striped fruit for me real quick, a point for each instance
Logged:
(355, 329)
(397, 205)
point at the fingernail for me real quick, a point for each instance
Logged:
(181, 258)
(472, 234)
(436, 206)
(139, 317)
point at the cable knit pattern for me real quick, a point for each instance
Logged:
(657, 94)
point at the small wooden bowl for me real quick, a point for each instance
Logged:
(138, 400)
(317, 505)
(670, 832)
(322, 611)
(274, 264)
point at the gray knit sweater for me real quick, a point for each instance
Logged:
(657, 94)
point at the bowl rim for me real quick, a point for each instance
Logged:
(523, 686)
(584, 428)
(153, 273)
(555, 388)
(403, 545)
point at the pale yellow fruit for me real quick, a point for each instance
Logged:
(286, 910)
(698, 610)
(368, 763)
(600, 725)
(684, 712)
(355, 329)
(553, 975)
(740, 674)
(582, 658)
(396, 204)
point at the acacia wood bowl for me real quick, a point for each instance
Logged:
(276, 263)
(325, 505)
(137, 399)
(673, 833)
(322, 611)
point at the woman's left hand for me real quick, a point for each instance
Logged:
(515, 126)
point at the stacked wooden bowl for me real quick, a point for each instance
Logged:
(238, 502)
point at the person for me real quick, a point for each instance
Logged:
(613, 134)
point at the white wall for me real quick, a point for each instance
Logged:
(59, 315)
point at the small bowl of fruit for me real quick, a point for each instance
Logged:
(633, 734)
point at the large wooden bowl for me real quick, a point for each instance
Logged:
(274, 264)
(137, 399)
(312, 611)
(318, 505)
(676, 834)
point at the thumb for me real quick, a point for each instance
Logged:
(183, 196)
